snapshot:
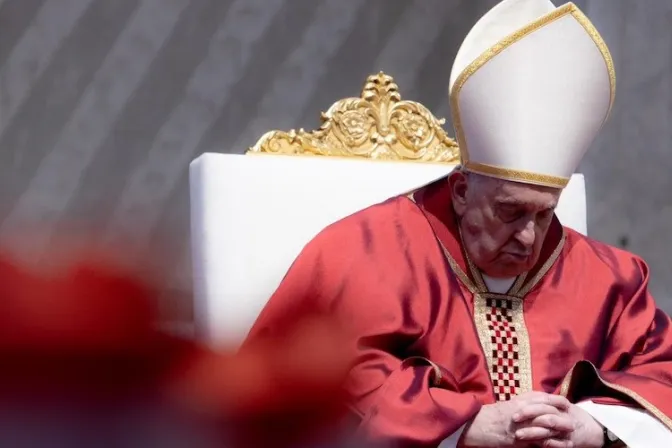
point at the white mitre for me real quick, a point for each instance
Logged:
(530, 89)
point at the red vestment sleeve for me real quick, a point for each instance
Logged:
(381, 274)
(636, 366)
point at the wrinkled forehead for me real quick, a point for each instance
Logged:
(528, 195)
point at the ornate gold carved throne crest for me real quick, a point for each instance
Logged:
(377, 125)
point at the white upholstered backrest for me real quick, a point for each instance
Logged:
(252, 214)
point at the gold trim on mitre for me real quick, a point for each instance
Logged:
(516, 175)
(504, 172)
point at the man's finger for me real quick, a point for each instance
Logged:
(532, 411)
(560, 423)
(533, 433)
(557, 443)
(557, 401)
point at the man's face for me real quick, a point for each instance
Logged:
(503, 223)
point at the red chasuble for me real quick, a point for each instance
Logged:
(433, 344)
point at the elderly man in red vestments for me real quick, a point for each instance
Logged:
(478, 319)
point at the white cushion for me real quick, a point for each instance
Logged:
(252, 214)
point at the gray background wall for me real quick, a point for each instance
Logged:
(103, 103)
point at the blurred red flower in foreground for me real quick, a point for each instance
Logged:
(87, 338)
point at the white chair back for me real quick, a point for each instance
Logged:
(252, 214)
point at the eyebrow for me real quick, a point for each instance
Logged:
(519, 203)
(509, 201)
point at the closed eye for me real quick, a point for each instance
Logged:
(509, 213)
(546, 214)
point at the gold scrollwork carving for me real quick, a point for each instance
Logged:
(377, 125)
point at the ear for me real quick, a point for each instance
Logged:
(457, 180)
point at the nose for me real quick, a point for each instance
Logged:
(526, 235)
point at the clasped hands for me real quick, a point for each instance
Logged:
(533, 420)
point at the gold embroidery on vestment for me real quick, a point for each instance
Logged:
(500, 324)
(643, 402)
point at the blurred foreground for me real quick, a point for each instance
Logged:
(83, 363)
